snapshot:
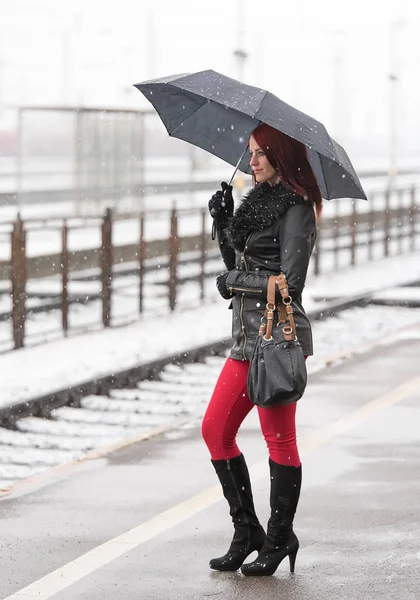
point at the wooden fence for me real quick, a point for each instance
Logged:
(381, 230)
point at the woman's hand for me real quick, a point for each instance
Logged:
(221, 203)
(222, 287)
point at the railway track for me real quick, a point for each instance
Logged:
(157, 397)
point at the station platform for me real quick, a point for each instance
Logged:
(142, 522)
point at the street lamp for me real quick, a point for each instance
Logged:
(393, 78)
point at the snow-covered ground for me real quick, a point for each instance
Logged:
(30, 372)
(175, 401)
(90, 355)
(182, 393)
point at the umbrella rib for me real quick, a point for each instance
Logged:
(321, 163)
(228, 108)
(261, 101)
(187, 119)
(326, 181)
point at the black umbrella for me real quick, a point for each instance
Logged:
(217, 113)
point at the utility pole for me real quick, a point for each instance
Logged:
(241, 57)
(1, 88)
(338, 96)
(393, 78)
(240, 53)
(150, 39)
(70, 42)
(66, 65)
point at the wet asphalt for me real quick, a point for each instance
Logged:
(358, 520)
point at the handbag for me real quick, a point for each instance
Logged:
(277, 371)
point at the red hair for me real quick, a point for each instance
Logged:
(290, 159)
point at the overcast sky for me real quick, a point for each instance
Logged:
(330, 59)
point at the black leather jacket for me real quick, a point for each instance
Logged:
(281, 239)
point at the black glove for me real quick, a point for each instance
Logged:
(221, 286)
(221, 203)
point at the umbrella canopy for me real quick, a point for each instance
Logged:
(217, 113)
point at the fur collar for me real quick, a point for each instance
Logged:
(260, 208)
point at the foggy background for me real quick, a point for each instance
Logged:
(353, 66)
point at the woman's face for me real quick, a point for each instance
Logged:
(263, 170)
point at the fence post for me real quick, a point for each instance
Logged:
(173, 259)
(142, 258)
(18, 276)
(336, 235)
(106, 267)
(400, 220)
(386, 222)
(371, 226)
(64, 278)
(353, 233)
(413, 217)
(203, 252)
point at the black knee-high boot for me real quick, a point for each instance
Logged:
(249, 534)
(281, 540)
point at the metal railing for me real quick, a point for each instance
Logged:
(380, 229)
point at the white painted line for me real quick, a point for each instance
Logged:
(75, 570)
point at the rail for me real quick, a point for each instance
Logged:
(387, 225)
(42, 406)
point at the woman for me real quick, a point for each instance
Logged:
(272, 231)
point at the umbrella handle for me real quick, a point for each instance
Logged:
(213, 228)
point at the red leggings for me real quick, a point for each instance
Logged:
(228, 407)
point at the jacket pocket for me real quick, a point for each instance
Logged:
(253, 313)
(254, 304)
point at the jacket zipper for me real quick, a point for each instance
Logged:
(243, 328)
(242, 303)
(238, 289)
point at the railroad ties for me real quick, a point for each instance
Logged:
(70, 433)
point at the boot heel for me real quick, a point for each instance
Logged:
(292, 560)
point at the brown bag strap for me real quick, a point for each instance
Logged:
(284, 310)
(284, 292)
(266, 326)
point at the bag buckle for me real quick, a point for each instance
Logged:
(288, 333)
